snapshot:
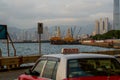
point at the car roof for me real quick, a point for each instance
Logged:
(79, 55)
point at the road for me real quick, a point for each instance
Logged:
(11, 75)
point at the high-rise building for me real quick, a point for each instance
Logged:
(106, 25)
(97, 27)
(45, 35)
(102, 26)
(116, 15)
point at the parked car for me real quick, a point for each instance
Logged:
(75, 66)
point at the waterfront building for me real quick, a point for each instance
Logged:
(84, 36)
(102, 26)
(106, 25)
(116, 15)
(97, 27)
(45, 35)
(26, 35)
(93, 33)
(58, 32)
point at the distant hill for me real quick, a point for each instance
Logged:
(13, 29)
(113, 34)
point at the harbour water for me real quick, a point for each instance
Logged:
(46, 48)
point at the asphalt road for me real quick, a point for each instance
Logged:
(11, 75)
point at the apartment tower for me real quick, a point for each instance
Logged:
(116, 15)
(97, 31)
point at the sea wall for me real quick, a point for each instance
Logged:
(16, 61)
(99, 44)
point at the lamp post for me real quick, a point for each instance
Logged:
(40, 31)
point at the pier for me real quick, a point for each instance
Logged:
(115, 45)
(102, 44)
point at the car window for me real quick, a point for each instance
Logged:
(50, 70)
(39, 66)
(93, 67)
(54, 72)
(118, 57)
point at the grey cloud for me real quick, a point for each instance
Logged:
(26, 13)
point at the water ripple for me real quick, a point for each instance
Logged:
(46, 48)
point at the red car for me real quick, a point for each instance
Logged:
(74, 67)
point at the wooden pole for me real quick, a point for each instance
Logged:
(8, 47)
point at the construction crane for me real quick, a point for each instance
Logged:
(78, 32)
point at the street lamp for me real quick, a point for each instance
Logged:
(40, 31)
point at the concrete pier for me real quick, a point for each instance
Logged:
(115, 45)
(102, 44)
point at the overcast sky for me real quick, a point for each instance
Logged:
(27, 13)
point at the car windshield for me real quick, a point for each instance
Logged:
(93, 67)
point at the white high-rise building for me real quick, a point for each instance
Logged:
(102, 26)
(45, 35)
(106, 25)
(97, 27)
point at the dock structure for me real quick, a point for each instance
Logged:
(16, 61)
(102, 44)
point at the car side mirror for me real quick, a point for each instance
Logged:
(33, 73)
(28, 71)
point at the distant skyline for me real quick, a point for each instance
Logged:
(27, 13)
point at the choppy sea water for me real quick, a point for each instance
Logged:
(46, 48)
